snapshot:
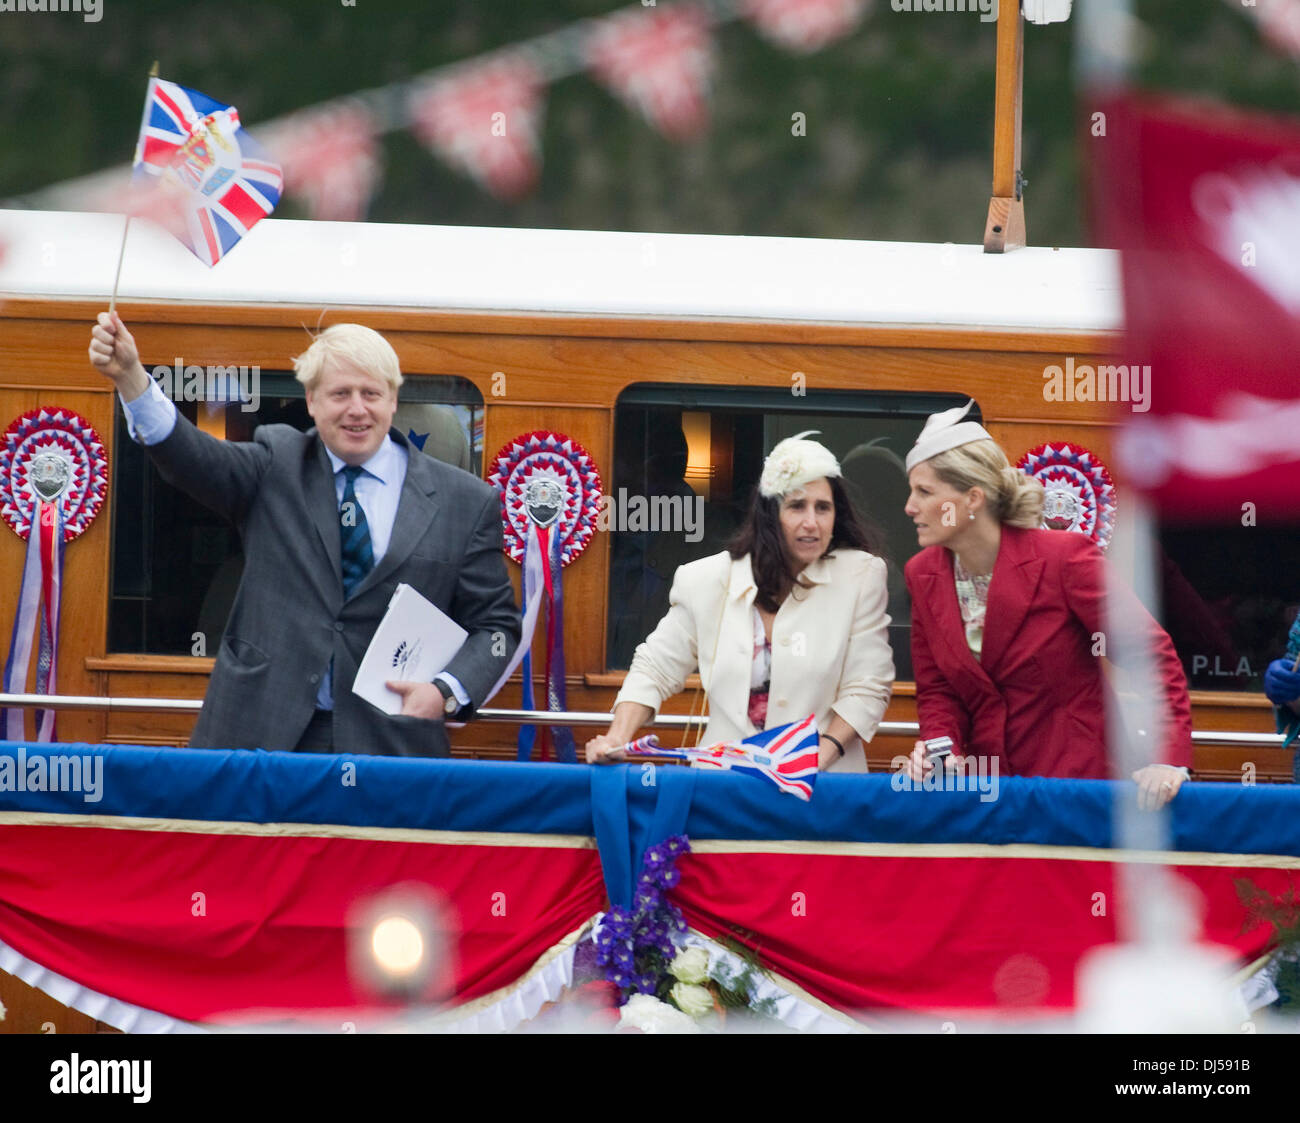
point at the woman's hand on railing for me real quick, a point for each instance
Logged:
(599, 748)
(628, 718)
(1157, 785)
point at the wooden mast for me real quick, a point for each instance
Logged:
(1005, 228)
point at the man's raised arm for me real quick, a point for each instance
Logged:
(114, 354)
(222, 475)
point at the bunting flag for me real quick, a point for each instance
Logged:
(1205, 205)
(550, 498)
(331, 160)
(804, 25)
(486, 121)
(659, 61)
(208, 182)
(785, 756)
(198, 173)
(53, 478)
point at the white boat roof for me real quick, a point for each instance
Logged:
(576, 272)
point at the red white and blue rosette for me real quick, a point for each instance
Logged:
(1078, 492)
(53, 479)
(550, 498)
(547, 481)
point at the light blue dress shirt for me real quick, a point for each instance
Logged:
(152, 416)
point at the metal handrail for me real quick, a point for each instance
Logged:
(534, 717)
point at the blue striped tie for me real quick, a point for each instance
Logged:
(354, 531)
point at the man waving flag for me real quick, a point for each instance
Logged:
(202, 175)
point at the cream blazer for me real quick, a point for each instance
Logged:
(830, 647)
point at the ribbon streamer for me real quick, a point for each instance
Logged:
(530, 583)
(550, 499)
(561, 736)
(38, 601)
(542, 568)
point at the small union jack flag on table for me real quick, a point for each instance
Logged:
(205, 178)
(785, 756)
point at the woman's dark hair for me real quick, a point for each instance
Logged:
(760, 537)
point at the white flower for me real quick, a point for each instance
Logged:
(649, 1015)
(691, 965)
(795, 462)
(693, 1000)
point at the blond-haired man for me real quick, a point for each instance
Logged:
(332, 520)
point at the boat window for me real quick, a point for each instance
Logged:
(687, 458)
(1229, 595)
(176, 564)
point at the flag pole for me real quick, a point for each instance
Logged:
(126, 228)
(121, 256)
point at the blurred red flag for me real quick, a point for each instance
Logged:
(1204, 203)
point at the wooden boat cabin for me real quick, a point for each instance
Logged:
(676, 361)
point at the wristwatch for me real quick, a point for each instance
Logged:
(450, 703)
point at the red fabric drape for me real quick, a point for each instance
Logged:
(115, 910)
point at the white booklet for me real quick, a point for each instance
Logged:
(414, 641)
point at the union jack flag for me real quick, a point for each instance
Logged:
(785, 756)
(208, 181)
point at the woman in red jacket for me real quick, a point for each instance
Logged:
(1007, 622)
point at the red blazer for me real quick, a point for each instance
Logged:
(1037, 697)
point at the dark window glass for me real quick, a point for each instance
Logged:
(176, 565)
(679, 450)
(1229, 594)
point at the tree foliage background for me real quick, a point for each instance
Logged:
(899, 115)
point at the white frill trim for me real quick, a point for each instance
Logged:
(501, 1011)
(112, 1011)
(510, 1006)
(795, 1007)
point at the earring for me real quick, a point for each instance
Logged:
(971, 516)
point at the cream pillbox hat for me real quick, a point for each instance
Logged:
(944, 431)
(795, 462)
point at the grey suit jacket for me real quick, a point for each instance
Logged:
(290, 618)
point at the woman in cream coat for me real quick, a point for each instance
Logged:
(788, 621)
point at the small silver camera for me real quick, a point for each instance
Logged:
(936, 748)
